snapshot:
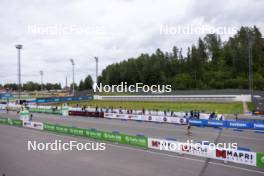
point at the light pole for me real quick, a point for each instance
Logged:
(72, 62)
(19, 47)
(96, 70)
(41, 77)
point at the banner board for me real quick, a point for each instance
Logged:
(33, 125)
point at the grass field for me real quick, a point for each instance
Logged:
(223, 108)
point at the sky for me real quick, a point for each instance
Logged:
(52, 32)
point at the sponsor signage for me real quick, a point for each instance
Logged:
(214, 123)
(3, 121)
(260, 159)
(49, 127)
(258, 126)
(62, 99)
(15, 122)
(154, 143)
(33, 125)
(150, 118)
(237, 156)
(196, 122)
(237, 124)
(197, 150)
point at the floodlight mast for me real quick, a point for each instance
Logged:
(96, 70)
(19, 47)
(41, 77)
(73, 87)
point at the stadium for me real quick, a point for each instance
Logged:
(96, 90)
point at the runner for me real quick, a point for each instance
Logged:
(189, 129)
(31, 117)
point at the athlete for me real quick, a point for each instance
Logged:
(189, 129)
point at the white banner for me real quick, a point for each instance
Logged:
(33, 125)
(236, 156)
(148, 118)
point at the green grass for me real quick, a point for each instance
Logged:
(251, 106)
(223, 108)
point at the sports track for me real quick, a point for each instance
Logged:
(116, 160)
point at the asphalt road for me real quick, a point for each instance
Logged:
(117, 159)
(245, 138)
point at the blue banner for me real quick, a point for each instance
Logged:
(196, 122)
(258, 126)
(62, 99)
(228, 124)
(214, 123)
(238, 124)
(6, 96)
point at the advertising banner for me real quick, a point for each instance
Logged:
(62, 129)
(238, 124)
(202, 151)
(76, 131)
(3, 121)
(237, 156)
(260, 159)
(214, 123)
(15, 122)
(49, 127)
(258, 126)
(196, 122)
(134, 117)
(148, 118)
(154, 143)
(139, 141)
(96, 134)
(62, 99)
(113, 137)
(109, 115)
(33, 125)
(48, 111)
(180, 147)
(178, 120)
(121, 116)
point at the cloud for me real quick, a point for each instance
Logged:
(113, 30)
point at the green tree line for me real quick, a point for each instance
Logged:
(208, 64)
(85, 84)
(32, 86)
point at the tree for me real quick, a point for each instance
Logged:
(81, 85)
(88, 83)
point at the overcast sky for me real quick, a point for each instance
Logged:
(53, 31)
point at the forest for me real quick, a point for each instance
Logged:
(208, 64)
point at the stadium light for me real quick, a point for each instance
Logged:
(41, 76)
(96, 70)
(73, 87)
(19, 47)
